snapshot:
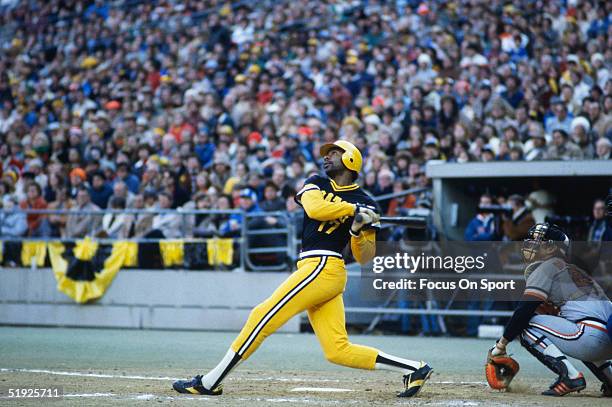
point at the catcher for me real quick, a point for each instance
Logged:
(330, 206)
(580, 329)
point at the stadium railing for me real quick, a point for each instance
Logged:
(261, 247)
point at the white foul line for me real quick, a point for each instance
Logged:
(138, 377)
(81, 374)
(320, 389)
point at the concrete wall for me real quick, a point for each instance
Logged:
(140, 299)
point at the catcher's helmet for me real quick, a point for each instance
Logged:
(351, 157)
(544, 236)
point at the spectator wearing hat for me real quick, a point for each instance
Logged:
(221, 170)
(536, 146)
(78, 178)
(35, 166)
(80, 225)
(432, 149)
(580, 130)
(562, 148)
(425, 72)
(601, 72)
(247, 203)
(487, 153)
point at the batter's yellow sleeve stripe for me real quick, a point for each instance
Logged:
(317, 208)
(281, 303)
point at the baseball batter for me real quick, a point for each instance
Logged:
(330, 205)
(580, 329)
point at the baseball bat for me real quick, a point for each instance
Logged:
(414, 222)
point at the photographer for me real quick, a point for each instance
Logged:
(516, 227)
(482, 227)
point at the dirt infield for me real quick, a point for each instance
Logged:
(114, 367)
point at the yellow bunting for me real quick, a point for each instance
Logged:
(171, 252)
(33, 249)
(220, 251)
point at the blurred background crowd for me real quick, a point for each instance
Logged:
(218, 105)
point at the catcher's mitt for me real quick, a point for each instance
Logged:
(500, 370)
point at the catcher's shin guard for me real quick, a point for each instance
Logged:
(531, 341)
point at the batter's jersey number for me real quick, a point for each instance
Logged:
(329, 226)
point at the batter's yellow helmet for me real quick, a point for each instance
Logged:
(351, 157)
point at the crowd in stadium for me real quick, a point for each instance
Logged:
(205, 104)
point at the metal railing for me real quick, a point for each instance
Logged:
(249, 236)
(282, 256)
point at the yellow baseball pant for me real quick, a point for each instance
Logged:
(316, 286)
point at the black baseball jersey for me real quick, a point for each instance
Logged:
(331, 235)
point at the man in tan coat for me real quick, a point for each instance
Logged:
(81, 225)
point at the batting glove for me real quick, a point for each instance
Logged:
(368, 216)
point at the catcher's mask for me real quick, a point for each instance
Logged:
(544, 239)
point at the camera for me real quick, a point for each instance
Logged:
(495, 209)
